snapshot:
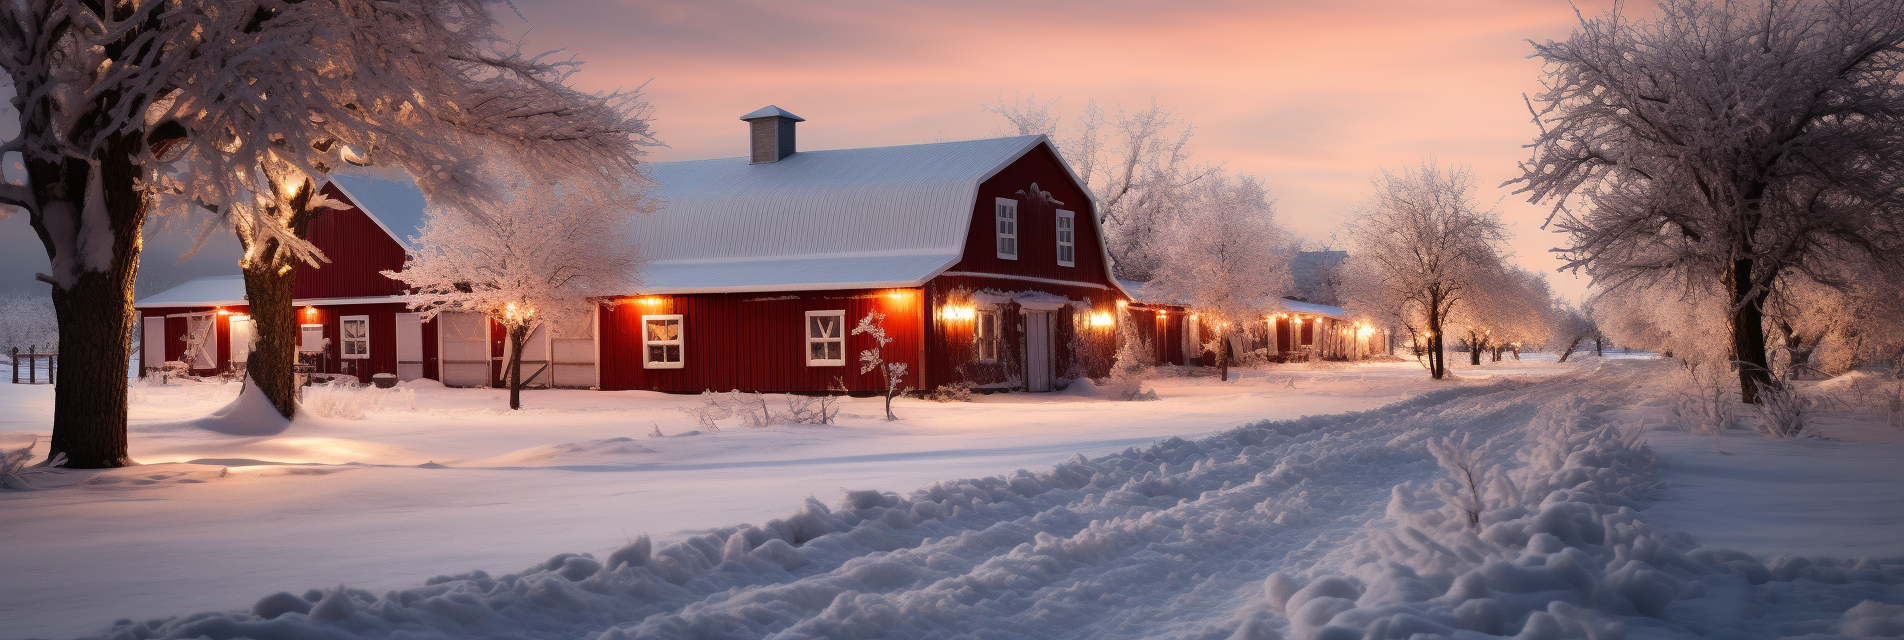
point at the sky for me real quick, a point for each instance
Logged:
(1313, 97)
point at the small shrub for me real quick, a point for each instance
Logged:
(16, 467)
(347, 400)
(1703, 402)
(1782, 409)
(960, 391)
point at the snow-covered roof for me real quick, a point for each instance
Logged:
(1141, 293)
(838, 219)
(393, 202)
(1286, 305)
(208, 291)
(770, 111)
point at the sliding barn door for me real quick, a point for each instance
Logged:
(464, 349)
(1038, 351)
(409, 346)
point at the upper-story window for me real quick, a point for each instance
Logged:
(1007, 217)
(826, 338)
(1067, 238)
(661, 337)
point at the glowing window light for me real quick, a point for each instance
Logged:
(1101, 319)
(958, 313)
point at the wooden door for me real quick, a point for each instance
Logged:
(409, 346)
(240, 339)
(1038, 351)
(572, 354)
(151, 344)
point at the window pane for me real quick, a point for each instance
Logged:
(816, 351)
(673, 353)
(815, 327)
(657, 354)
(834, 349)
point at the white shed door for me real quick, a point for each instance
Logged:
(241, 336)
(152, 343)
(409, 346)
(1038, 354)
(535, 358)
(572, 349)
(463, 346)
(201, 340)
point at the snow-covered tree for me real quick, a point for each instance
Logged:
(1226, 257)
(891, 374)
(1506, 307)
(28, 321)
(1570, 328)
(1421, 245)
(1137, 164)
(295, 91)
(1725, 142)
(534, 257)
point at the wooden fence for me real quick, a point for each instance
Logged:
(32, 358)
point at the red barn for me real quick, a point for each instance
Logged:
(985, 257)
(352, 321)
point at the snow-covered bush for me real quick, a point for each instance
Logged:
(960, 391)
(1702, 400)
(347, 400)
(1126, 381)
(1463, 460)
(1782, 409)
(753, 410)
(16, 466)
(891, 374)
(26, 322)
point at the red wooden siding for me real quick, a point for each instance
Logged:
(1037, 224)
(383, 336)
(359, 252)
(755, 341)
(1081, 347)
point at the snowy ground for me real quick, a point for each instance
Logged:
(1204, 538)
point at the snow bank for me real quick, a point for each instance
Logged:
(1323, 527)
(250, 414)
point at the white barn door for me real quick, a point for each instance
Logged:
(572, 348)
(535, 358)
(241, 335)
(152, 343)
(463, 349)
(409, 346)
(1038, 351)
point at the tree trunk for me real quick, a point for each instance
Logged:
(272, 366)
(1223, 357)
(1475, 347)
(1748, 331)
(517, 336)
(270, 283)
(95, 310)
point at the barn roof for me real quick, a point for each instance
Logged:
(837, 219)
(208, 291)
(393, 201)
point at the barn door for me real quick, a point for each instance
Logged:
(1038, 351)
(464, 348)
(151, 344)
(240, 339)
(572, 353)
(409, 346)
(201, 340)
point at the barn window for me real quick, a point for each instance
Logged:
(355, 332)
(661, 335)
(1007, 228)
(1067, 238)
(826, 338)
(986, 336)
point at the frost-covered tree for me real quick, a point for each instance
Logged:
(1226, 257)
(1731, 143)
(27, 321)
(295, 91)
(1571, 327)
(1421, 245)
(1136, 163)
(1506, 307)
(534, 257)
(891, 374)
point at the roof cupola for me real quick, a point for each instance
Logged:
(770, 133)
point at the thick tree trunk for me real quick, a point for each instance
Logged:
(94, 301)
(270, 283)
(517, 336)
(1475, 347)
(1223, 358)
(273, 362)
(1748, 331)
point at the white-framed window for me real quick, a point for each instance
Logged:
(1007, 217)
(985, 335)
(354, 333)
(1067, 238)
(661, 341)
(826, 338)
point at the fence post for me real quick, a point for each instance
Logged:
(15, 367)
(52, 367)
(32, 365)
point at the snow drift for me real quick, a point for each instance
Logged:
(1324, 527)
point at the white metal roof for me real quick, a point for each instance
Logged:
(1295, 306)
(208, 291)
(838, 219)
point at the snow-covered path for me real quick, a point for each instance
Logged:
(1339, 526)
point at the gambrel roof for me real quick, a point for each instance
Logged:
(839, 219)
